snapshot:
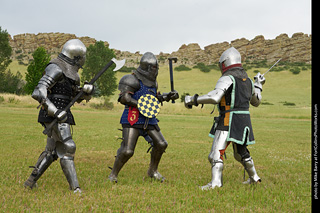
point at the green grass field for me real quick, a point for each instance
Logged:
(282, 155)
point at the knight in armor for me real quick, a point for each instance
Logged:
(55, 90)
(233, 94)
(142, 82)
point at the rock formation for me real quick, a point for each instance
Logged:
(294, 49)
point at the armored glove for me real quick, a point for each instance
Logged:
(61, 115)
(259, 81)
(88, 88)
(172, 95)
(191, 100)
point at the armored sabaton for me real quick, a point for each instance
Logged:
(56, 88)
(232, 94)
(141, 85)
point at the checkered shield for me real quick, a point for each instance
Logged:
(149, 106)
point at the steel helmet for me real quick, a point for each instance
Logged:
(229, 58)
(75, 50)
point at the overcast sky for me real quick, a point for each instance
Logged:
(158, 25)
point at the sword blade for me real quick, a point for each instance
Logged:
(272, 67)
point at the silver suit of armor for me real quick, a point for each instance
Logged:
(132, 86)
(229, 58)
(54, 91)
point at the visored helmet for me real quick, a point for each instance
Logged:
(147, 72)
(75, 51)
(149, 62)
(229, 58)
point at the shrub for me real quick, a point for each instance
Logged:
(182, 68)
(202, 67)
(295, 70)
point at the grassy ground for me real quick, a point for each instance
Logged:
(282, 154)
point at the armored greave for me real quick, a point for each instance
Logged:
(44, 161)
(159, 147)
(242, 154)
(69, 170)
(41, 166)
(215, 157)
(249, 167)
(125, 152)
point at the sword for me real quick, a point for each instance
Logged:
(118, 64)
(272, 67)
(171, 73)
(261, 76)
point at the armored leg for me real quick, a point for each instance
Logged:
(66, 149)
(159, 147)
(242, 154)
(125, 152)
(215, 157)
(44, 161)
(69, 171)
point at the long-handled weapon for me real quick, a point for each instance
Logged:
(119, 65)
(171, 72)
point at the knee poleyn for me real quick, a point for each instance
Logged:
(127, 153)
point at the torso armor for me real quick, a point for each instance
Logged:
(60, 90)
(234, 108)
(136, 94)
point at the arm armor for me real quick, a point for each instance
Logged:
(256, 97)
(52, 75)
(128, 85)
(214, 96)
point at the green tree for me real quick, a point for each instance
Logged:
(9, 82)
(5, 50)
(36, 68)
(98, 55)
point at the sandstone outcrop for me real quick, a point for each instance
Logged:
(294, 49)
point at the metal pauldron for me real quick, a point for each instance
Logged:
(214, 96)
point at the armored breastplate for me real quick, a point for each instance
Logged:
(142, 119)
(60, 95)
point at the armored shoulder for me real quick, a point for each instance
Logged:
(224, 83)
(214, 96)
(129, 83)
(52, 75)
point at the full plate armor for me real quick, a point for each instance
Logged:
(54, 92)
(233, 94)
(133, 87)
